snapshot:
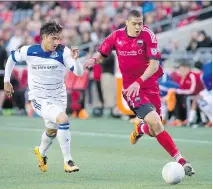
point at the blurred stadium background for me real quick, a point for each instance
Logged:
(100, 119)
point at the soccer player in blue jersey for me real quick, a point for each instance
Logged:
(47, 63)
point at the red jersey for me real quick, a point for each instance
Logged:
(191, 84)
(133, 54)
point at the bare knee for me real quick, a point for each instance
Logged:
(62, 118)
(154, 121)
(51, 132)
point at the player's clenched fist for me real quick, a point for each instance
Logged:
(75, 52)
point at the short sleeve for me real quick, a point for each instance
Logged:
(20, 54)
(108, 45)
(151, 45)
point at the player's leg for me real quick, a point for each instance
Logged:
(140, 128)
(64, 138)
(192, 118)
(47, 139)
(205, 104)
(166, 141)
(48, 135)
(151, 115)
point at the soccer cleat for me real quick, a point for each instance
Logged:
(189, 171)
(135, 135)
(42, 160)
(70, 167)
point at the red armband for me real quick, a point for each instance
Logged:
(140, 81)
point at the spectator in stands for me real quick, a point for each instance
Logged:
(193, 44)
(15, 41)
(203, 40)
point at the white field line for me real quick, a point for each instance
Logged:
(107, 135)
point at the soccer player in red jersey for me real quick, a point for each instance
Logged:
(136, 48)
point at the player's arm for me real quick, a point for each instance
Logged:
(16, 56)
(152, 54)
(152, 68)
(104, 50)
(71, 61)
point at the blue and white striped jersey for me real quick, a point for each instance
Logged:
(46, 71)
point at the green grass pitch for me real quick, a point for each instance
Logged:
(101, 148)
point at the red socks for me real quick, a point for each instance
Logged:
(165, 140)
(144, 128)
(167, 143)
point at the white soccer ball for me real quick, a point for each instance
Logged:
(173, 173)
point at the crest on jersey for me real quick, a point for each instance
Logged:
(154, 51)
(140, 42)
(54, 54)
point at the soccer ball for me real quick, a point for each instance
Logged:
(173, 173)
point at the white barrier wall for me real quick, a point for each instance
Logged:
(183, 34)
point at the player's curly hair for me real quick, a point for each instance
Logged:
(50, 28)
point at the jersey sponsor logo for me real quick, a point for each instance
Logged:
(54, 54)
(154, 51)
(44, 67)
(128, 53)
(140, 51)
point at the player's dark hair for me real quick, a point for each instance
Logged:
(50, 28)
(134, 13)
(198, 65)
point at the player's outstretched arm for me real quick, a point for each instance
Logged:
(89, 63)
(8, 88)
(71, 61)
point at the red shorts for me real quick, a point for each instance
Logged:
(146, 96)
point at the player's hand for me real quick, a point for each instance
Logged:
(133, 90)
(8, 88)
(89, 63)
(75, 52)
